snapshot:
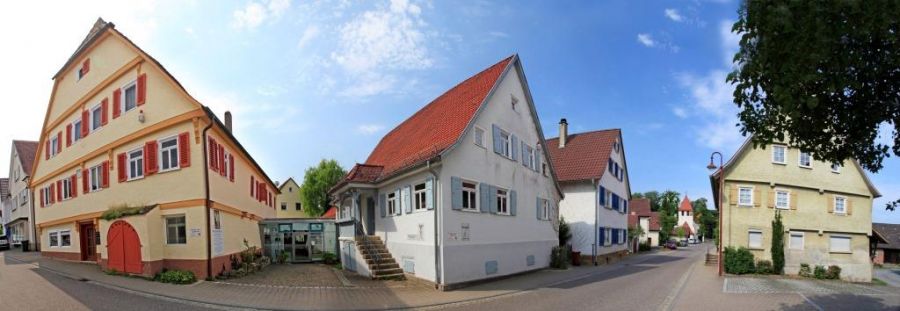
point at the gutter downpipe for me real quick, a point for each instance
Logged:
(206, 202)
(437, 249)
(596, 183)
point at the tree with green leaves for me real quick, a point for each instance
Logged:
(821, 76)
(316, 183)
(777, 244)
(564, 233)
(668, 206)
(653, 196)
(707, 219)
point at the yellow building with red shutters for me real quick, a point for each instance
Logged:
(135, 174)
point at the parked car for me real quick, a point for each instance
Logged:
(692, 241)
(671, 244)
(683, 243)
(4, 243)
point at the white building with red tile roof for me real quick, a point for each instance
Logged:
(592, 172)
(686, 219)
(456, 193)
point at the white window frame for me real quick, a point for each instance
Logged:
(45, 192)
(607, 238)
(471, 194)
(800, 159)
(502, 197)
(54, 145)
(545, 210)
(76, 131)
(750, 233)
(478, 136)
(740, 201)
(787, 199)
(783, 154)
(98, 107)
(836, 168)
(66, 188)
(529, 156)
(123, 97)
(131, 159)
(420, 198)
(23, 197)
(95, 176)
(50, 239)
(843, 200)
(59, 240)
(391, 202)
(802, 243)
(176, 165)
(167, 225)
(831, 248)
(506, 150)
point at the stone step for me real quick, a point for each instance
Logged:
(395, 276)
(371, 261)
(385, 265)
(381, 272)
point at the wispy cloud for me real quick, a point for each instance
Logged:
(680, 112)
(674, 15)
(646, 39)
(498, 34)
(310, 33)
(369, 129)
(257, 12)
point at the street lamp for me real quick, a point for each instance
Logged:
(719, 207)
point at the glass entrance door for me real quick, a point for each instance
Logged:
(316, 246)
(301, 249)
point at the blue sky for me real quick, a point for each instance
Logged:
(311, 80)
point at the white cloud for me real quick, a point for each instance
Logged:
(369, 129)
(674, 15)
(680, 112)
(310, 33)
(646, 39)
(255, 13)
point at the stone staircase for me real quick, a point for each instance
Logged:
(712, 259)
(379, 260)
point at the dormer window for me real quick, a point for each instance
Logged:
(83, 70)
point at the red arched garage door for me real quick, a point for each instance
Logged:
(123, 248)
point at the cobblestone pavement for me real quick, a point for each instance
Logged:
(889, 276)
(763, 285)
(292, 275)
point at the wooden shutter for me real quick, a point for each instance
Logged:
(831, 203)
(757, 199)
(772, 199)
(104, 182)
(793, 202)
(42, 196)
(86, 66)
(382, 204)
(407, 199)
(513, 151)
(104, 111)
(456, 193)
(184, 150)
(212, 155)
(141, 89)
(429, 193)
(221, 164)
(59, 191)
(73, 184)
(69, 135)
(47, 149)
(252, 184)
(85, 188)
(538, 207)
(59, 142)
(732, 195)
(849, 206)
(151, 159)
(123, 170)
(85, 124)
(485, 192)
(513, 201)
(231, 168)
(495, 131)
(117, 103)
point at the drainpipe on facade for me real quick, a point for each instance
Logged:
(437, 249)
(206, 201)
(35, 244)
(596, 184)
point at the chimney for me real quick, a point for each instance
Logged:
(563, 132)
(228, 120)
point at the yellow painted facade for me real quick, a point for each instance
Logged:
(807, 207)
(289, 205)
(168, 112)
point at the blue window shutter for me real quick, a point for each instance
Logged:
(407, 199)
(615, 201)
(537, 160)
(524, 161)
(429, 193)
(456, 193)
(496, 136)
(492, 197)
(538, 206)
(398, 204)
(485, 204)
(514, 151)
(602, 237)
(610, 166)
(625, 206)
(513, 198)
(602, 196)
(382, 204)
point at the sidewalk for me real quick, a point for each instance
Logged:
(320, 298)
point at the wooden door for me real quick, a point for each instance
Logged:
(88, 242)
(123, 248)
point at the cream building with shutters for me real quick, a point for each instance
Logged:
(826, 208)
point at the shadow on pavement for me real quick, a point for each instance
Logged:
(843, 302)
(660, 259)
(608, 275)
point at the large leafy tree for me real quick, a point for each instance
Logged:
(822, 76)
(653, 196)
(708, 219)
(668, 205)
(316, 182)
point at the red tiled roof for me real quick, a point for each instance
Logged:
(654, 221)
(687, 229)
(640, 207)
(686, 205)
(585, 155)
(26, 151)
(633, 220)
(330, 213)
(431, 130)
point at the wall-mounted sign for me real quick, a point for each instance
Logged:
(316, 227)
(195, 232)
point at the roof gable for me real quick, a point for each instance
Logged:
(686, 205)
(585, 155)
(890, 233)
(26, 151)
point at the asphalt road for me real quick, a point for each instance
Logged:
(652, 282)
(25, 287)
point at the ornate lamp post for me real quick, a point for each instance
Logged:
(719, 206)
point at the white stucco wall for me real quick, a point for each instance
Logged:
(17, 208)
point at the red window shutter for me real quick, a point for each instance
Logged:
(52, 195)
(85, 125)
(84, 181)
(86, 67)
(151, 164)
(184, 150)
(104, 111)
(221, 163)
(104, 183)
(68, 135)
(123, 171)
(231, 168)
(252, 184)
(59, 190)
(117, 103)
(47, 149)
(42, 196)
(141, 89)
(212, 154)
(59, 142)
(74, 185)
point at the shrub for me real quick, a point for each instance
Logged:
(777, 244)
(329, 258)
(833, 273)
(738, 260)
(805, 271)
(643, 247)
(559, 258)
(176, 277)
(764, 267)
(819, 272)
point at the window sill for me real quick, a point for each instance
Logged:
(745, 205)
(756, 248)
(806, 167)
(780, 163)
(840, 252)
(783, 208)
(134, 178)
(169, 170)
(470, 210)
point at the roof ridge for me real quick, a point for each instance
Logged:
(590, 132)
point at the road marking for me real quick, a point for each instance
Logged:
(667, 303)
(810, 302)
